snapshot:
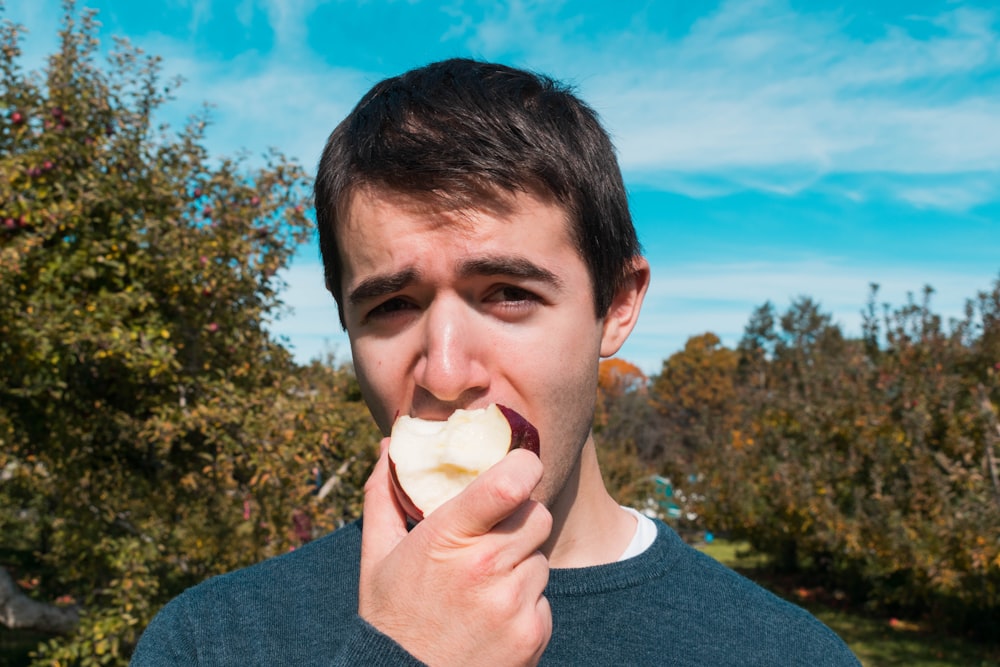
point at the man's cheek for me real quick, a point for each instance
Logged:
(375, 396)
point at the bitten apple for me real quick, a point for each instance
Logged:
(432, 461)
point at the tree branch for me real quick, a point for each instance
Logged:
(18, 611)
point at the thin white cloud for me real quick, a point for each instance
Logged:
(957, 195)
(289, 20)
(260, 102)
(755, 96)
(765, 97)
(201, 13)
(806, 95)
(244, 12)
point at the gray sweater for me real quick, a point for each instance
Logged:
(670, 605)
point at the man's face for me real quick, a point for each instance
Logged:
(458, 309)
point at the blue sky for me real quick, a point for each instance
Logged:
(771, 148)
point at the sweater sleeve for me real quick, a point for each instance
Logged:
(367, 646)
(168, 640)
(174, 638)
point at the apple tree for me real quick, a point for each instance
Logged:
(152, 431)
(695, 394)
(871, 461)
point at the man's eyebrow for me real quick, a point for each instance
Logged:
(503, 265)
(380, 285)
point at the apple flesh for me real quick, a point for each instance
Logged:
(432, 461)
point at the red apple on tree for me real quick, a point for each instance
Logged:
(431, 462)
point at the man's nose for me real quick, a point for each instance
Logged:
(452, 367)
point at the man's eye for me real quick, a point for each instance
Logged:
(510, 293)
(389, 307)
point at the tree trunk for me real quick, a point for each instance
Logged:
(18, 611)
(992, 424)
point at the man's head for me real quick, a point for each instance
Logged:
(476, 234)
(462, 134)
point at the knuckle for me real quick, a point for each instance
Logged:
(505, 601)
(483, 567)
(531, 634)
(508, 490)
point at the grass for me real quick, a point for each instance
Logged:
(877, 641)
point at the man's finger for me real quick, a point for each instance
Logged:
(491, 497)
(383, 520)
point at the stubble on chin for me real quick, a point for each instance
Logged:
(561, 479)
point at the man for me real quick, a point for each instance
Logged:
(476, 236)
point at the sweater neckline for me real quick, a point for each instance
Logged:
(651, 564)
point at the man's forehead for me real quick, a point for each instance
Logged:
(459, 206)
(371, 213)
(376, 227)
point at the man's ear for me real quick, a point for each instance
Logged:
(624, 310)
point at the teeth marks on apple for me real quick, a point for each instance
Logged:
(432, 461)
(523, 434)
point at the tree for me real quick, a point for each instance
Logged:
(616, 378)
(695, 393)
(152, 432)
(624, 426)
(871, 461)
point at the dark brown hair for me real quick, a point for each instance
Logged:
(462, 131)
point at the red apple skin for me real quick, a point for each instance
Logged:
(523, 435)
(405, 502)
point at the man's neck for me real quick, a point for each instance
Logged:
(588, 526)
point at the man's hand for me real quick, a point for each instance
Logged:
(464, 587)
